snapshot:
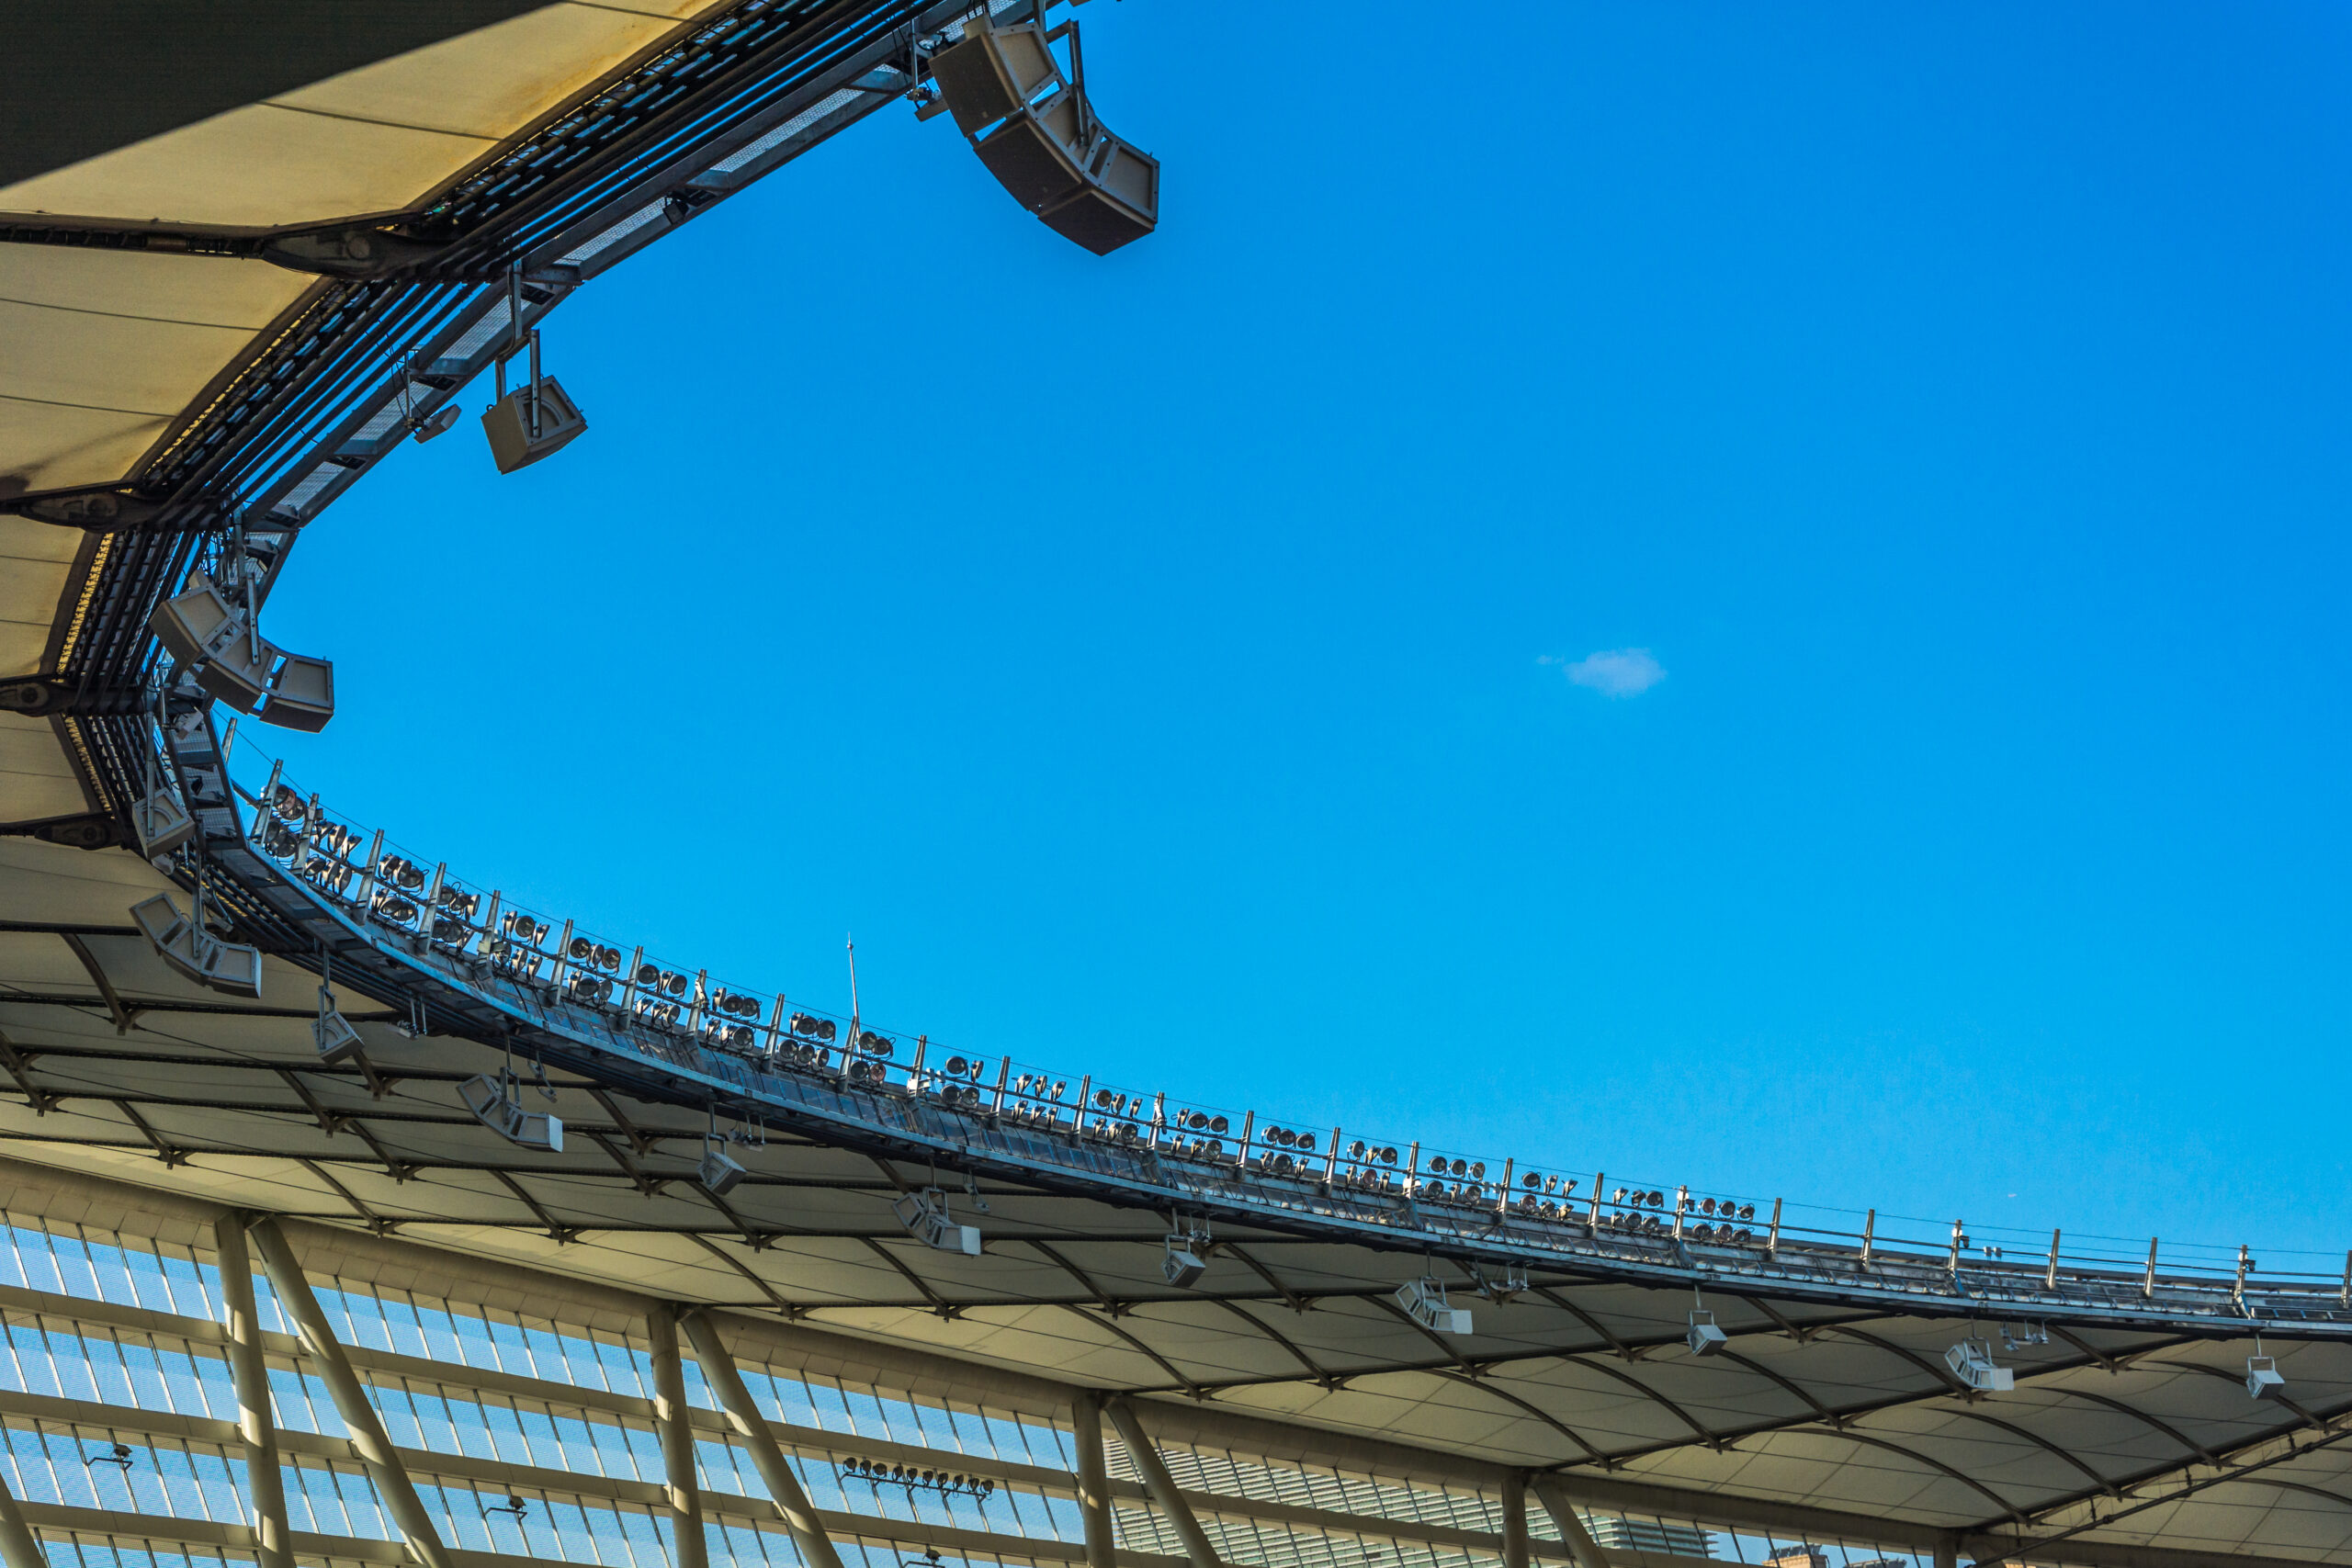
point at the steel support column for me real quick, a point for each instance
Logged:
(367, 1438)
(1093, 1480)
(1162, 1486)
(255, 1424)
(1582, 1549)
(676, 1424)
(735, 1401)
(1947, 1554)
(1514, 1519)
(19, 1549)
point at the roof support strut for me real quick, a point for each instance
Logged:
(669, 1413)
(784, 1487)
(1093, 1479)
(17, 1547)
(1514, 1518)
(1162, 1486)
(327, 1360)
(1582, 1549)
(254, 1423)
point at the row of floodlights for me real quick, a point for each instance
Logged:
(914, 1479)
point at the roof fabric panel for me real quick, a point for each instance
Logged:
(375, 140)
(37, 781)
(105, 348)
(35, 560)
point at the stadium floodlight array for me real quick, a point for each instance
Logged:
(593, 987)
(916, 1479)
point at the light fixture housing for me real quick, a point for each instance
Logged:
(494, 1105)
(1424, 1302)
(1971, 1363)
(925, 1216)
(2263, 1379)
(160, 822)
(1704, 1336)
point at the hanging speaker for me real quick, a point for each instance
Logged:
(994, 72)
(521, 434)
(1118, 204)
(301, 695)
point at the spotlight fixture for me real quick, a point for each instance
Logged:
(497, 1106)
(925, 1216)
(1705, 1337)
(915, 1479)
(2263, 1379)
(1424, 1302)
(1971, 1363)
(440, 424)
(2020, 1335)
(117, 1454)
(195, 952)
(515, 1508)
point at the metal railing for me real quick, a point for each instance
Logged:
(602, 990)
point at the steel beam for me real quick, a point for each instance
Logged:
(784, 1487)
(255, 1425)
(1162, 1486)
(367, 1437)
(1583, 1551)
(17, 1547)
(680, 1488)
(1514, 1518)
(1093, 1479)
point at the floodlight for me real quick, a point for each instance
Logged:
(1971, 1363)
(196, 954)
(1704, 1339)
(717, 1173)
(494, 1105)
(439, 423)
(926, 1217)
(2263, 1380)
(1424, 1302)
(2019, 1336)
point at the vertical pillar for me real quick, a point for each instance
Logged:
(17, 1547)
(1093, 1479)
(670, 1413)
(1514, 1519)
(1947, 1549)
(735, 1400)
(326, 1356)
(255, 1424)
(1162, 1486)
(1582, 1549)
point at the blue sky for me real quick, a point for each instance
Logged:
(1163, 663)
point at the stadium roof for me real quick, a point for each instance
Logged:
(222, 290)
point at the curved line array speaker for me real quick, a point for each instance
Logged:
(1038, 134)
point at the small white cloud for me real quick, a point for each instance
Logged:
(1612, 671)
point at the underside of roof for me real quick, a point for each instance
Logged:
(167, 363)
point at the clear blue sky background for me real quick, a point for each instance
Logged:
(1145, 657)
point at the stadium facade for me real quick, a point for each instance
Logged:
(357, 1217)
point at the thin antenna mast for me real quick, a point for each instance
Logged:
(851, 943)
